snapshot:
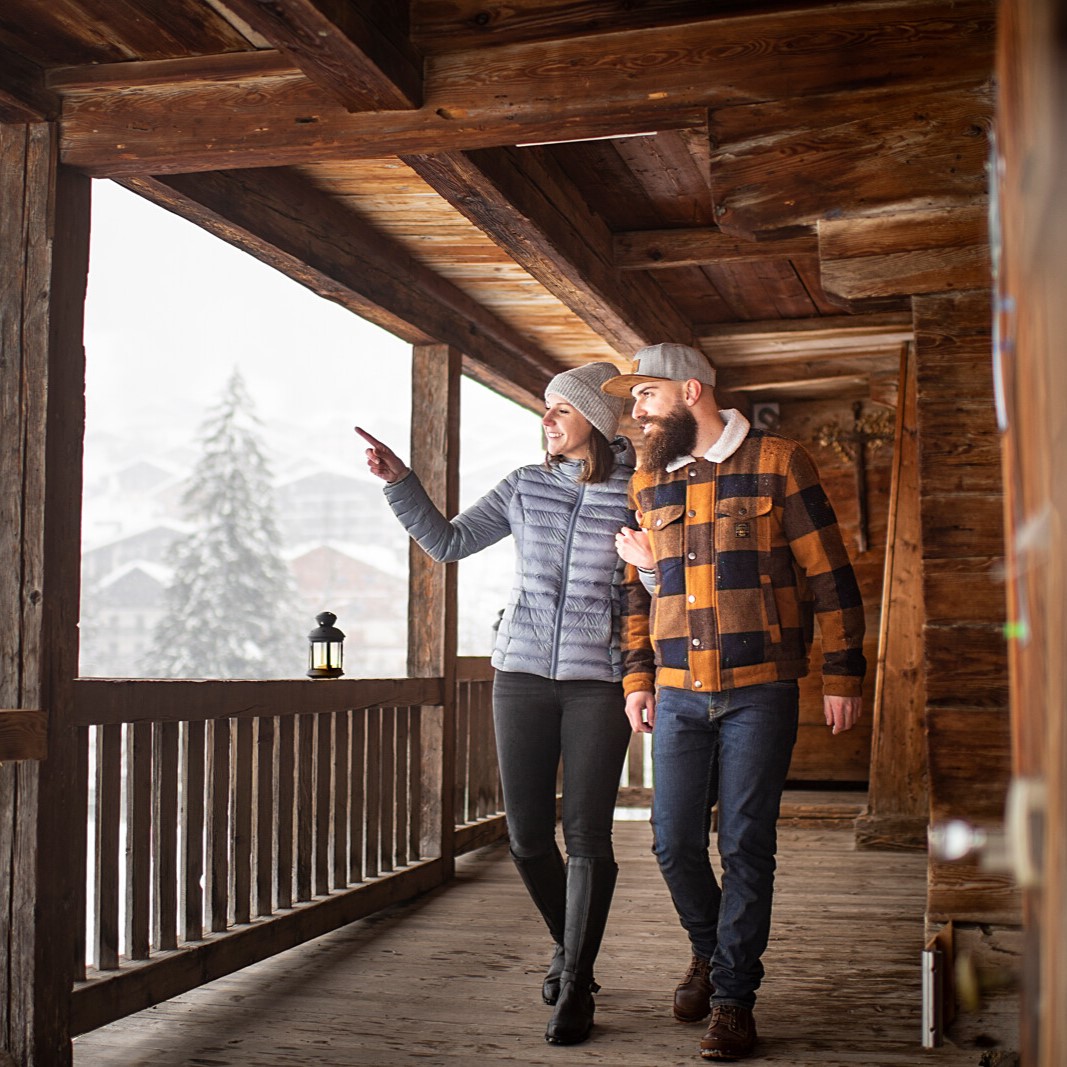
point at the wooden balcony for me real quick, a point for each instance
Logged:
(454, 977)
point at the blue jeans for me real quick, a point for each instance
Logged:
(733, 747)
(538, 721)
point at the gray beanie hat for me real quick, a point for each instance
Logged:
(581, 387)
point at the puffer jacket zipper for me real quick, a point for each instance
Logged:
(564, 577)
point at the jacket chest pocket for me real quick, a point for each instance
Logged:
(664, 527)
(744, 524)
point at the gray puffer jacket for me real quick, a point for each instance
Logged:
(562, 618)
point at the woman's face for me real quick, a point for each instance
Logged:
(567, 430)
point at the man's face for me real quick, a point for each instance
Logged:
(668, 425)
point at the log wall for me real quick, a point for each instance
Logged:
(967, 720)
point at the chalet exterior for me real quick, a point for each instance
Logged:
(859, 212)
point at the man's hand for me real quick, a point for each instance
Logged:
(381, 459)
(641, 711)
(842, 713)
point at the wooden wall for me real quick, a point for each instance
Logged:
(967, 724)
(1032, 140)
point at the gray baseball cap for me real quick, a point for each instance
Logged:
(669, 362)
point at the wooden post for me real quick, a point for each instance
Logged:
(1031, 113)
(435, 375)
(44, 251)
(897, 798)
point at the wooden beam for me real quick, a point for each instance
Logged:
(779, 340)
(660, 249)
(606, 84)
(782, 164)
(283, 221)
(755, 377)
(369, 65)
(522, 199)
(906, 253)
(23, 96)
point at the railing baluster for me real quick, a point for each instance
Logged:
(323, 767)
(240, 880)
(340, 799)
(285, 781)
(192, 847)
(305, 801)
(263, 816)
(388, 789)
(415, 784)
(372, 795)
(108, 814)
(218, 838)
(462, 801)
(401, 777)
(357, 795)
(165, 835)
(138, 838)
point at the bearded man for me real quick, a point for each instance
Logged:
(741, 550)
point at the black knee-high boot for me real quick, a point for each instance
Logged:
(590, 886)
(545, 878)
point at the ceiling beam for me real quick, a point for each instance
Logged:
(366, 65)
(659, 249)
(780, 340)
(758, 377)
(286, 223)
(23, 96)
(524, 202)
(906, 253)
(784, 164)
(599, 85)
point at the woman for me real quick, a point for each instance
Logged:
(556, 689)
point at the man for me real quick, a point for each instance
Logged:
(742, 551)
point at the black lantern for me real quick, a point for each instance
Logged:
(327, 648)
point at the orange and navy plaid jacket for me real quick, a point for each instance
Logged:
(748, 552)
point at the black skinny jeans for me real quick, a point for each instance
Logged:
(538, 720)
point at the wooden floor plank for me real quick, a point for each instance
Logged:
(454, 978)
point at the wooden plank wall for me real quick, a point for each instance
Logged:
(44, 246)
(1032, 119)
(967, 722)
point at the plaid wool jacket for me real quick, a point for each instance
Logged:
(748, 552)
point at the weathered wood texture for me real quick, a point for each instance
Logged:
(636, 80)
(455, 978)
(432, 587)
(932, 250)
(898, 795)
(44, 231)
(1032, 315)
(775, 165)
(967, 722)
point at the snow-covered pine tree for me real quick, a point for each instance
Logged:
(230, 606)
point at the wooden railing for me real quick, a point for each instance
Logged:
(231, 820)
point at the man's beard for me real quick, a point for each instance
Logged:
(675, 434)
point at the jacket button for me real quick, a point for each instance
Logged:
(659, 522)
(692, 555)
(692, 599)
(696, 640)
(691, 514)
(697, 685)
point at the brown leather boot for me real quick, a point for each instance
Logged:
(731, 1035)
(692, 996)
